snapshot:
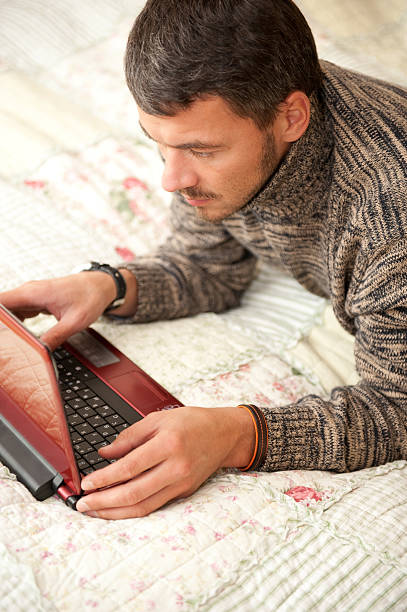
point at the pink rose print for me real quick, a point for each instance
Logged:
(304, 494)
(132, 181)
(277, 385)
(180, 600)
(125, 253)
(46, 554)
(35, 184)
(135, 208)
(261, 399)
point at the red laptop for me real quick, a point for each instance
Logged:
(57, 409)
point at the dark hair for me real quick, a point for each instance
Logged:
(252, 53)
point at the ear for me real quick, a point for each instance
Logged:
(294, 116)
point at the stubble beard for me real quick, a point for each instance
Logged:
(266, 167)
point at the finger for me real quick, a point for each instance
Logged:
(126, 493)
(128, 467)
(58, 333)
(138, 509)
(22, 298)
(12, 299)
(69, 323)
(129, 438)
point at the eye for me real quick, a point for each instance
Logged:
(201, 154)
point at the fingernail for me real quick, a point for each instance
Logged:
(92, 513)
(87, 484)
(82, 506)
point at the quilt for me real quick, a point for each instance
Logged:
(79, 181)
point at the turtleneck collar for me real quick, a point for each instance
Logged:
(298, 187)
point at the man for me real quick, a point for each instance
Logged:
(272, 155)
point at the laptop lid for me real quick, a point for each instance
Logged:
(30, 399)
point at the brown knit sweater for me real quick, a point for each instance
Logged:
(335, 215)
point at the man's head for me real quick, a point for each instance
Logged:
(241, 59)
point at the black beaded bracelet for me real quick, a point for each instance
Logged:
(261, 443)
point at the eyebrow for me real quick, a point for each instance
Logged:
(196, 144)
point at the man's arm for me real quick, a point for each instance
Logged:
(365, 424)
(200, 268)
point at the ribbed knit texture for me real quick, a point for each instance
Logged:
(335, 215)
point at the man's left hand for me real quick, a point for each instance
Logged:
(166, 456)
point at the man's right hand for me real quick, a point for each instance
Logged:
(76, 301)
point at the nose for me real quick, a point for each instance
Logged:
(178, 173)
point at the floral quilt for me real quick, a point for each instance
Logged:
(79, 181)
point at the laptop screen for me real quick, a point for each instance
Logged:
(30, 397)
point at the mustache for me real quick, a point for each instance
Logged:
(194, 194)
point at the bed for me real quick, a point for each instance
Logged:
(79, 181)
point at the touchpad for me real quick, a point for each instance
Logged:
(137, 390)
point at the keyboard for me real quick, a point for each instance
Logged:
(95, 414)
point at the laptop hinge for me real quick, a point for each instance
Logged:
(68, 496)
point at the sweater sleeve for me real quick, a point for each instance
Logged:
(366, 424)
(200, 268)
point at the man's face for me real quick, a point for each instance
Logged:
(217, 160)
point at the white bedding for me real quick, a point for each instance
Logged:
(79, 182)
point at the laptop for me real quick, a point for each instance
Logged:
(57, 409)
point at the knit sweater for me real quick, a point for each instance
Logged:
(334, 214)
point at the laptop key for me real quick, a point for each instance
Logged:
(93, 457)
(88, 470)
(82, 463)
(86, 393)
(69, 363)
(83, 447)
(95, 402)
(86, 412)
(65, 380)
(75, 419)
(76, 384)
(86, 375)
(115, 419)
(104, 442)
(96, 420)
(77, 402)
(104, 410)
(94, 438)
(106, 430)
(76, 438)
(84, 428)
(59, 354)
(68, 394)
